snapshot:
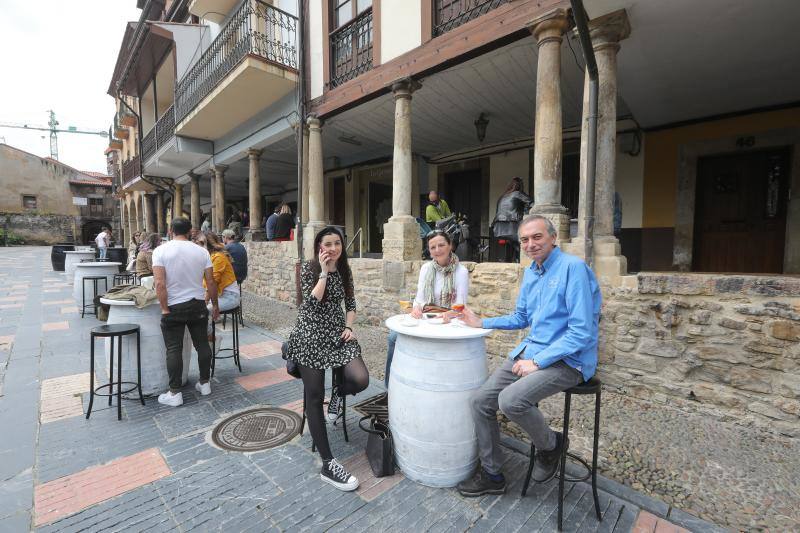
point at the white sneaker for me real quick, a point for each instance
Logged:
(203, 388)
(173, 400)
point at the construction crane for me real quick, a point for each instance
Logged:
(54, 131)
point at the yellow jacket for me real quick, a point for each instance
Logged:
(223, 271)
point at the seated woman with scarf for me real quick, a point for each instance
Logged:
(443, 282)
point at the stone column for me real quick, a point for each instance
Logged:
(256, 232)
(149, 210)
(548, 30)
(219, 197)
(195, 199)
(304, 173)
(160, 226)
(316, 187)
(177, 201)
(130, 217)
(137, 215)
(212, 199)
(401, 240)
(606, 32)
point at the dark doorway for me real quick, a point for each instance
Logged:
(462, 191)
(91, 229)
(740, 212)
(338, 202)
(378, 212)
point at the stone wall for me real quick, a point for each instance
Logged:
(36, 228)
(728, 345)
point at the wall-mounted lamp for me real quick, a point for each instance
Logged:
(480, 126)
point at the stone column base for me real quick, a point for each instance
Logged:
(401, 240)
(310, 231)
(609, 262)
(255, 235)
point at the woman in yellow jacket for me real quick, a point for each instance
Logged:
(227, 288)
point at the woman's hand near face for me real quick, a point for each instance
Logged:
(324, 259)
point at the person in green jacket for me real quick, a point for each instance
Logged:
(437, 209)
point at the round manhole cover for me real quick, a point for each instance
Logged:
(257, 429)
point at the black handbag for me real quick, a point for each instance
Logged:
(380, 446)
(291, 367)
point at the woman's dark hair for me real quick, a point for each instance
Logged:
(341, 264)
(213, 244)
(515, 185)
(439, 233)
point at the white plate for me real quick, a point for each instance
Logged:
(409, 322)
(437, 320)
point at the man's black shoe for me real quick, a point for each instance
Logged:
(547, 462)
(480, 483)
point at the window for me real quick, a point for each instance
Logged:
(96, 206)
(346, 10)
(28, 201)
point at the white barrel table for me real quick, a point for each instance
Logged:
(155, 379)
(73, 258)
(94, 268)
(436, 367)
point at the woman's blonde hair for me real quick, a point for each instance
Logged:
(286, 210)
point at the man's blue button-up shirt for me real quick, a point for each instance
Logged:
(560, 303)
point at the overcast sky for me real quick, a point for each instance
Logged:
(59, 55)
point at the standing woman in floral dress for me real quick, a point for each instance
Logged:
(323, 338)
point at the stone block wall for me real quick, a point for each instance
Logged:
(728, 345)
(37, 228)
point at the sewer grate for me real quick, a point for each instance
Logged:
(377, 406)
(256, 429)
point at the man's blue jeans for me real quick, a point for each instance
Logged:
(392, 340)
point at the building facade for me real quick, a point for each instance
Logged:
(44, 201)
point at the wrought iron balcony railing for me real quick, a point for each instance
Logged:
(131, 169)
(163, 131)
(351, 49)
(256, 29)
(449, 14)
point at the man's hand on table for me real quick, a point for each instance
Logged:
(469, 318)
(523, 367)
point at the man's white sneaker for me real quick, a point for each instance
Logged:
(203, 388)
(173, 400)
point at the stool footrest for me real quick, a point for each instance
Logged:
(134, 386)
(582, 462)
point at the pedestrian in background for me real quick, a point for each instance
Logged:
(102, 240)
(238, 255)
(180, 269)
(284, 224)
(271, 221)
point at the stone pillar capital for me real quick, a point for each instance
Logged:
(254, 154)
(314, 123)
(219, 170)
(404, 87)
(607, 31)
(550, 26)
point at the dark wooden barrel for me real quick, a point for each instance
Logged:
(57, 256)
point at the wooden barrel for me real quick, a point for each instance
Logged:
(57, 255)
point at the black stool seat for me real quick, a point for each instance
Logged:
(233, 313)
(593, 386)
(115, 332)
(112, 330)
(587, 387)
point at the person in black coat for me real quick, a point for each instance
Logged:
(511, 208)
(284, 225)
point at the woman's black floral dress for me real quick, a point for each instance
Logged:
(315, 341)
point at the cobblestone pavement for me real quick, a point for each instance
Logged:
(736, 476)
(156, 470)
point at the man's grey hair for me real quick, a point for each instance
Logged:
(228, 234)
(551, 229)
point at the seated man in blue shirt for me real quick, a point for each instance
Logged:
(560, 302)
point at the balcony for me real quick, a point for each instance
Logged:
(120, 131)
(450, 14)
(131, 171)
(126, 118)
(249, 66)
(351, 49)
(162, 133)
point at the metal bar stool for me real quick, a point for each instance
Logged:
(593, 386)
(336, 381)
(95, 281)
(240, 315)
(125, 278)
(115, 331)
(235, 350)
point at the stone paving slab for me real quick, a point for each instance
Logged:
(191, 484)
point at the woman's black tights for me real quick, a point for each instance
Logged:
(354, 379)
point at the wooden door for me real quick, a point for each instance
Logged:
(379, 210)
(740, 212)
(462, 192)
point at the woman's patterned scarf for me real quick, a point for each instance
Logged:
(448, 286)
